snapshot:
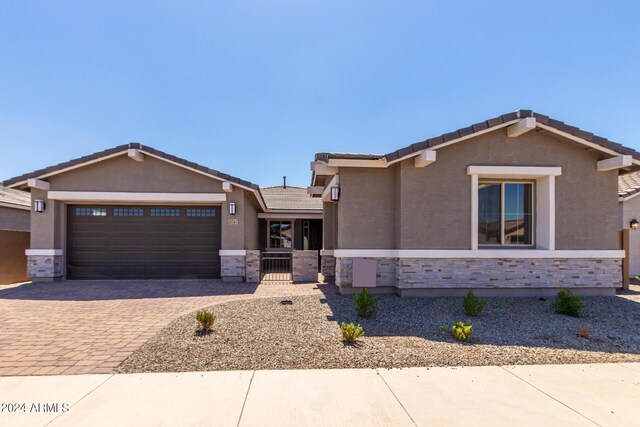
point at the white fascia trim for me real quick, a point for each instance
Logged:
(14, 206)
(326, 252)
(233, 252)
(135, 154)
(625, 198)
(453, 141)
(617, 162)
(425, 158)
(358, 163)
(513, 171)
(302, 215)
(113, 197)
(582, 141)
(480, 253)
(522, 127)
(43, 252)
(38, 183)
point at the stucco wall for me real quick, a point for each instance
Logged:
(251, 232)
(14, 219)
(328, 226)
(429, 208)
(366, 210)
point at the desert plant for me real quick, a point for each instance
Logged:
(351, 332)
(206, 319)
(568, 303)
(473, 305)
(584, 332)
(459, 331)
(366, 304)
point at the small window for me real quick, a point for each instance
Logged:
(165, 211)
(505, 214)
(91, 211)
(280, 235)
(208, 212)
(128, 212)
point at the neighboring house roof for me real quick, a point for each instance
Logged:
(289, 198)
(51, 170)
(11, 198)
(628, 185)
(485, 126)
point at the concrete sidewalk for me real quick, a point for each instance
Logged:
(550, 395)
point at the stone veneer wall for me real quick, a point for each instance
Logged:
(252, 266)
(305, 266)
(416, 273)
(44, 266)
(328, 265)
(232, 267)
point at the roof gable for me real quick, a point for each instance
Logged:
(119, 150)
(289, 198)
(503, 120)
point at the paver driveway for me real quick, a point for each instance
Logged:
(76, 327)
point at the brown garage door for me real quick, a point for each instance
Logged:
(143, 242)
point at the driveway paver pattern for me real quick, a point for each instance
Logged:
(90, 327)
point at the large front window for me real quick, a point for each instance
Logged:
(280, 235)
(505, 213)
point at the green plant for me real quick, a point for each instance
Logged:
(459, 331)
(473, 305)
(366, 304)
(568, 303)
(206, 319)
(351, 332)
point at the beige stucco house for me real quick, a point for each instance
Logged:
(134, 212)
(14, 235)
(518, 204)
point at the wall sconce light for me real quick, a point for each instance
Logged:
(335, 193)
(39, 205)
(232, 208)
(634, 224)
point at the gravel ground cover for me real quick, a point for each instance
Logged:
(265, 334)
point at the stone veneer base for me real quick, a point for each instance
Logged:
(44, 268)
(506, 274)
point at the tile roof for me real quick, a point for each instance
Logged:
(487, 124)
(289, 198)
(14, 197)
(628, 184)
(120, 148)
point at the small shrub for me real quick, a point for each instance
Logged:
(473, 305)
(568, 303)
(584, 332)
(351, 332)
(206, 319)
(459, 331)
(366, 304)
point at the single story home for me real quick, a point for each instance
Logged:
(134, 212)
(629, 216)
(518, 204)
(14, 235)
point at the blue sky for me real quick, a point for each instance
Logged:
(255, 88)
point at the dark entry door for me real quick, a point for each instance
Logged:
(143, 242)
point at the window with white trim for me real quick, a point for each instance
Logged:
(505, 213)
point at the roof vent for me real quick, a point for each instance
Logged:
(284, 182)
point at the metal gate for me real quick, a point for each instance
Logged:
(276, 266)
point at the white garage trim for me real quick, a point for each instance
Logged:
(140, 198)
